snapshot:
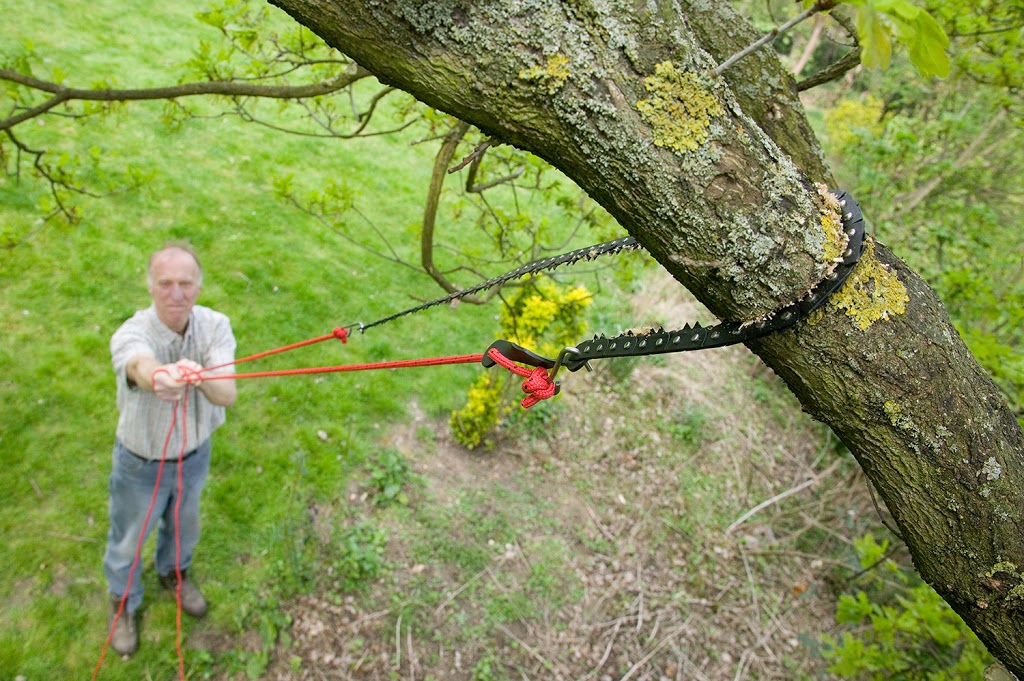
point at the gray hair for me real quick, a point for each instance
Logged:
(182, 246)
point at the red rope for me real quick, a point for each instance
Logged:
(537, 386)
(398, 364)
(341, 333)
(142, 536)
(177, 536)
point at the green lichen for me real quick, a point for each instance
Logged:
(896, 416)
(551, 76)
(680, 108)
(1004, 566)
(872, 292)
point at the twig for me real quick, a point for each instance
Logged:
(35, 486)
(779, 497)
(608, 650)
(831, 72)
(812, 44)
(475, 154)
(412, 655)
(742, 664)
(654, 651)
(773, 34)
(695, 669)
(462, 588)
(750, 581)
(607, 535)
(878, 510)
(640, 590)
(533, 653)
(398, 642)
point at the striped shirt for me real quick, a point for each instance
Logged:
(145, 418)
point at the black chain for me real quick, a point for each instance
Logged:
(544, 264)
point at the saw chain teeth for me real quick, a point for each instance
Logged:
(696, 337)
(588, 253)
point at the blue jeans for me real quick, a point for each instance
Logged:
(131, 488)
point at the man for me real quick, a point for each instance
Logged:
(154, 353)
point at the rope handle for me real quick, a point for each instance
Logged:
(538, 385)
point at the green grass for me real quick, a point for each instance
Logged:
(277, 274)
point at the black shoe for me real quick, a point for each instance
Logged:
(125, 639)
(192, 600)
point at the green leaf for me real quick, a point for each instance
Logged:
(928, 49)
(913, 26)
(899, 9)
(875, 46)
(214, 18)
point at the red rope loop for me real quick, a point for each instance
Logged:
(537, 386)
(341, 333)
(190, 376)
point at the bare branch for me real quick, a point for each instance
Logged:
(832, 72)
(812, 44)
(474, 156)
(820, 6)
(444, 157)
(219, 87)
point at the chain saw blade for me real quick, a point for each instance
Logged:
(544, 264)
(696, 337)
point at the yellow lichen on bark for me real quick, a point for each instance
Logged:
(680, 108)
(551, 76)
(836, 239)
(872, 292)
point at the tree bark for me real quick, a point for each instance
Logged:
(619, 96)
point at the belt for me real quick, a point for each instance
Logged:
(182, 459)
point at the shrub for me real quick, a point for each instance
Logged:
(543, 318)
(897, 627)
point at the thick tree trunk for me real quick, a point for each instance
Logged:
(619, 96)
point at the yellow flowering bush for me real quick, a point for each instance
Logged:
(542, 317)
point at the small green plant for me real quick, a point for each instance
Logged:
(687, 426)
(897, 627)
(473, 424)
(388, 476)
(486, 669)
(361, 554)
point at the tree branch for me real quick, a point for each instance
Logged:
(821, 6)
(832, 72)
(217, 87)
(444, 157)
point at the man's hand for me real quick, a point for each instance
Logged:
(169, 382)
(221, 392)
(190, 370)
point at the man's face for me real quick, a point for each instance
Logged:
(174, 287)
